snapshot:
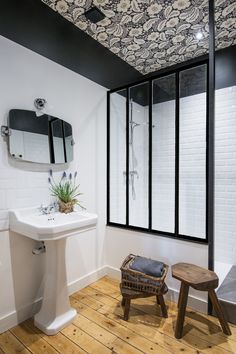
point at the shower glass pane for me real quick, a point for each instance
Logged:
(163, 154)
(138, 155)
(118, 157)
(192, 152)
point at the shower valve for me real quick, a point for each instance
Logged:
(134, 173)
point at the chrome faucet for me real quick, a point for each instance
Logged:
(51, 208)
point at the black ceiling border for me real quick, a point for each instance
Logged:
(32, 24)
(35, 26)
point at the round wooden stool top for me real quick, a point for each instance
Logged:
(197, 277)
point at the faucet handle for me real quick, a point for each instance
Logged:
(51, 208)
(42, 209)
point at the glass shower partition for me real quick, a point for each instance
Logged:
(138, 155)
(158, 155)
(163, 153)
(117, 158)
(192, 151)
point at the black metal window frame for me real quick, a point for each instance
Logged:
(175, 234)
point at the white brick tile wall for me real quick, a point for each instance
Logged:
(192, 170)
(225, 173)
(26, 184)
(163, 166)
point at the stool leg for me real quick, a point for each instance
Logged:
(163, 305)
(126, 310)
(181, 311)
(157, 298)
(219, 312)
(180, 293)
(123, 301)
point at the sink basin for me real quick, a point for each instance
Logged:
(53, 229)
(31, 223)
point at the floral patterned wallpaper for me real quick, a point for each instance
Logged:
(150, 35)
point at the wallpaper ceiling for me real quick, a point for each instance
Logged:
(150, 35)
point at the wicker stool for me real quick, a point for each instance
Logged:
(136, 284)
(128, 295)
(200, 279)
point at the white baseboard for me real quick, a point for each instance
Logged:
(87, 279)
(15, 317)
(19, 315)
(173, 294)
(113, 272)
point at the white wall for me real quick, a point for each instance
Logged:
(192, 166)
(225, 176)
(163, 166)
(25, 76)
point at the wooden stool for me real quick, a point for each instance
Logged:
(200, 279)
(128, 295)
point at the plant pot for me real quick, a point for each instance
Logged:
(66, 207)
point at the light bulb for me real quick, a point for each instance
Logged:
(199, 35)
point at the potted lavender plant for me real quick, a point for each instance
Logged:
(66, 191)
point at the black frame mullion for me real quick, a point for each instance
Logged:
(211, 143)
(51, 144)
(108, 156)
(211, 136)
(127, 152)
(207, 153)
(177, 107)
(64, 140)
(150, 156)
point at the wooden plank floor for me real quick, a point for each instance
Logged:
(99, 328)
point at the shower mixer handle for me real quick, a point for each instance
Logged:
(134, 173)
(131, 173)
(134, 124)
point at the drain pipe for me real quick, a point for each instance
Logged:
(40, 249)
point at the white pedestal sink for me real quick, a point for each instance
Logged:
(53, 229)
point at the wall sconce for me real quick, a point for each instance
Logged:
(40, 104)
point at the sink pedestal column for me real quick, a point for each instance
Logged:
(55, 312)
